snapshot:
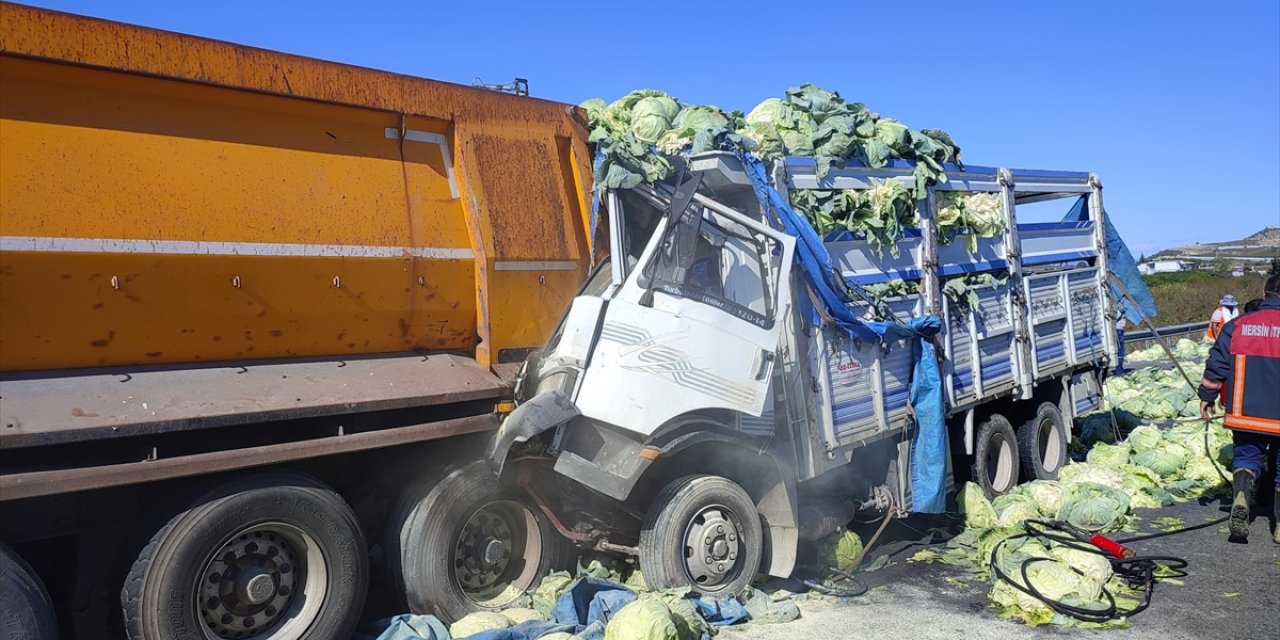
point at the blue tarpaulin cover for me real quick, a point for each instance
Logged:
(929, 444)
(589, 600)
(584, 609)
(1122, 264)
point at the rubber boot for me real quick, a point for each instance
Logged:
(1275, 518)
(1242, 483)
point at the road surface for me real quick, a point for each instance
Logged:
(1231, 591)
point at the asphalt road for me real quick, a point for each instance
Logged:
(1231, 592)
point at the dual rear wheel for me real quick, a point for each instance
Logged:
(266, 557)
(1036, 450)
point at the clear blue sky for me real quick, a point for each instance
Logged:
(1175, 104)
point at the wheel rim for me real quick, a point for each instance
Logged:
(497, 553)
(1050, 446)
(712, 548)
(1000, 457)
(249, 586)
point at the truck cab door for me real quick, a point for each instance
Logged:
(695, 325)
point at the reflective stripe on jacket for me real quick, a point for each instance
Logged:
(1246, 357)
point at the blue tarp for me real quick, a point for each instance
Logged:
(929, 445)
(584, 609)
(1122, 264)
(589, 600)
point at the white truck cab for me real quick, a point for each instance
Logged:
(697, 408)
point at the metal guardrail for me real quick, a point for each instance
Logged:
(1143, 338)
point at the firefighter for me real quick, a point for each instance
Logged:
(1226, 312)
(1244, 364)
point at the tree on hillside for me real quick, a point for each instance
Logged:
(1275, 266)
(1142, 258)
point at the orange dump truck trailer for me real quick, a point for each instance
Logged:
(246, 299)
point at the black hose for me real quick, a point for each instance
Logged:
(1138, 571)
(1161, 534)
(859, 587)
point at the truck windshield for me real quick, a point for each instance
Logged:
(729, 268)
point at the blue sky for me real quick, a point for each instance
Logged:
(1175, 104)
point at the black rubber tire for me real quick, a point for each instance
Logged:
(432, 516)
(996, 440)
(159, 599)
(1042, 443)
(393, 543)
(25, 608)
(662, 537)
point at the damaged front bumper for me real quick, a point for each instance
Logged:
(543, 412)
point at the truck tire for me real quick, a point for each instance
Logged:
(995, 456)
(1042, 443)
(27, 611)
(234, 564)
(702, 532)
(469, 542)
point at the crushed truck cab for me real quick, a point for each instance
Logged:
(704, 348)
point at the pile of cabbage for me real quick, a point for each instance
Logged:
(639, 134)
(1149, 455)
(1186, 351)
(1157, 392)
(629, 610)
(1151, 468)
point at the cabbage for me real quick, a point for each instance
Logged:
(839, 550)
(548, 591)
(1144, 438)
(1094, 507)
(1143, 487)
(1110, 456)
(1014, 508)
(474, 623)
(1086, 472)
(1014, 552)
(1047, 494)
(646, 618)
(780, 129)
(977, 510)
(987, 540)
(684, 613)
(980, 214)
(651, 117)
(1094, 565)
(1096, 427)
(1054, 579)
(1166, 459)
(1203, 475)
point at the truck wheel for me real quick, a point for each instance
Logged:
(27, 610)
(469, 543)
(702, 532)
(265, 557)
(1042, 443)
(995, 456)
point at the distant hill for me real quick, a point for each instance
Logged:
(1258, 247)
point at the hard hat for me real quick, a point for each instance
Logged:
(1228, 301)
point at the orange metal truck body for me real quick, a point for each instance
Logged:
(170, 199)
